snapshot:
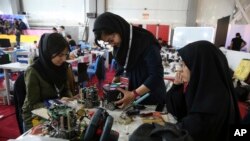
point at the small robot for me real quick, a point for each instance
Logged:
(90, 97)
(111, 94)
(62, 122)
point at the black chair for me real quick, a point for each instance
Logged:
(5, 43)
(82, 75)
(4, 59)
(19, 97)
(82, 72)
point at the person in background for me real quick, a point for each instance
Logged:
(62, 31)
(35, 45)
(75, 53)
(22, 26)
(137, 53)
(237, 43)
(1, 26)
(160, 41)
(49, 77)
(7, 27)
(35, 50)
(54, 30)
(202, 97)
(18, 35)
(72, 43)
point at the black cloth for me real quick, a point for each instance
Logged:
(101, 70)
(156, 132)
(23, 26)
(209, 100)
(19, 96)
(237, 41)
(72, 43)
(51, 44)
(144, 63)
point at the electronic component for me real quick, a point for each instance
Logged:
(90, 97)
(111, 94)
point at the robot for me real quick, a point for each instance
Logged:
(90, 97)
(111, 94)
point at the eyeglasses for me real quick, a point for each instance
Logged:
(108, 39)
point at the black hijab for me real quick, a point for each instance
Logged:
(210, 84)
(141, 38)
(49, 45)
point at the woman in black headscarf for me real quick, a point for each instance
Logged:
(48, 78)
(137, 52)
(208, 105)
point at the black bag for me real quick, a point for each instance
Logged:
(156, 132)
(242, 91)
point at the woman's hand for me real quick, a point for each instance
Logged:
(67, 99)
(178, 79)
(127, 99)
(116, 79)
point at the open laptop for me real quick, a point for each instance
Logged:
(5, 43)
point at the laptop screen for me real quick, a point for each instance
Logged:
(5, 43)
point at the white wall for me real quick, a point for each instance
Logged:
(172, 12)
(5, 7)
(209, 11)
(55, 12)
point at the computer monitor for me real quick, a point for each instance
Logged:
(5, 43)
(185, 35)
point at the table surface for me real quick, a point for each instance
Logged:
(15, 66)
(124, 130)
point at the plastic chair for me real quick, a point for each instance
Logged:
(4, 59)
(113, 65)
(22, 56)
(92, 68)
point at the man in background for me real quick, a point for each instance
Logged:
(237, 43)
(62, 31)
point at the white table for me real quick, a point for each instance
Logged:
(11, 53)
(124, 130)
(7, 67)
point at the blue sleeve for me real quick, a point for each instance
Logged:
(154, 66)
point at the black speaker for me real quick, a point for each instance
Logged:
(101, 121)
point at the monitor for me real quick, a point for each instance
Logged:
(185, 35)
(5, 43)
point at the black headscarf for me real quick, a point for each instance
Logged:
(210, 84)
(49, 45)
(112, 23)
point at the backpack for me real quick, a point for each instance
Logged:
(156, 132)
